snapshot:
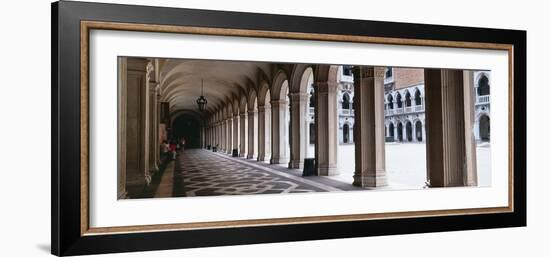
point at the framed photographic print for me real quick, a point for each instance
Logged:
(178, 128)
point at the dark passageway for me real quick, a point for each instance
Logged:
(188, 128)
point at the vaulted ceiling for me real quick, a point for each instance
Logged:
(181, 81)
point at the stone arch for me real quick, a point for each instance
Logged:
(252, 100)
(280, 86)
(326, 73)
(263, 90)
(391, 132)
(235, 104)
(242, 103)
(301, 74)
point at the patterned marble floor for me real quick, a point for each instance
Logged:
(200, 172)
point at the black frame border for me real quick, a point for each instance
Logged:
(66, 236)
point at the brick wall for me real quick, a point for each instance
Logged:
(405, 77)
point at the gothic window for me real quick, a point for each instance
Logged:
(417, 98)
(398, 100)
(345, 102)
(390, 101)
(483, 85)
(408, 99)
(346, 133)
(418, 131)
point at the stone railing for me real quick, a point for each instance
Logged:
(406, 109)
(483, 99)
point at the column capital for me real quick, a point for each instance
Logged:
(243, 114)
(299, 96)
(369, 72)
(277, 103)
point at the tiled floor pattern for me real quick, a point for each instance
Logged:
(202, 173)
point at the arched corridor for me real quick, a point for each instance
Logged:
(274, 128)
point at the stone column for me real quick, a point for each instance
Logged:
(134, 91)
(224, 135)
(470, 178)
(229, 135)
(447, 135)
(278, 132)
(261, 133)
(267, 133)
(251, 134)
(122, 135)
(235, 132)
(242, 151)
(158, 129)
(219, 134)
(369, 128)
(326, 126)
(153, 127)
(298, 121)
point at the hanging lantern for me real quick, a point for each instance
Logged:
(201, 101)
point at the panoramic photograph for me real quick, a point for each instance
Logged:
(189, 127)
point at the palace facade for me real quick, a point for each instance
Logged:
(404, 106)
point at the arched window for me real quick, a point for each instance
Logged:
(400, 132)
(483, 85)
(346, 133)
(398, 100)
(484, 128)
(418, 131)
(392, 130)
(417, 98)
(408, 131)
(311, 133)
(407, 99)
(389, 72)
(390, 101)
(345, 101)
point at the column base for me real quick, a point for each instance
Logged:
(154, 169)
(370, 180)
(278, 161)
(296, 164)
(250, 157)
(327, 171)
(242, 155)
(260, 158)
